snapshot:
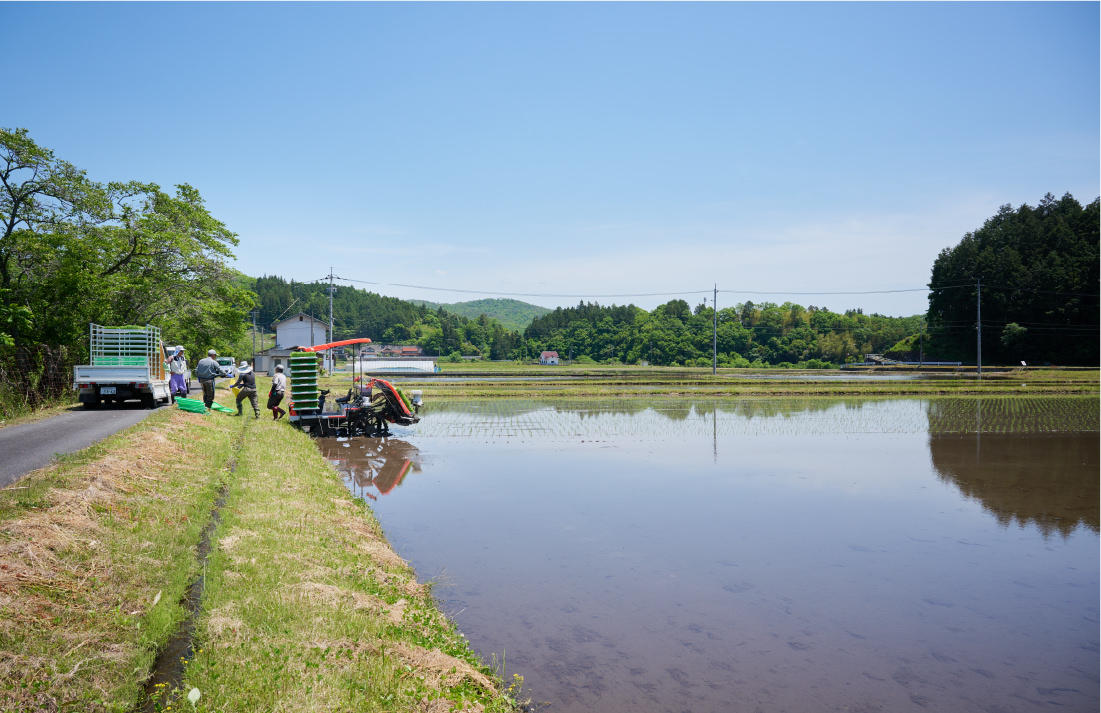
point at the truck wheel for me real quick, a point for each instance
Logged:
(91, 404)
(147, 401)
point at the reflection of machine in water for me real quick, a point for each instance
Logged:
(1049, 480)
(372, 464)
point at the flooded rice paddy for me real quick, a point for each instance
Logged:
(801, 556)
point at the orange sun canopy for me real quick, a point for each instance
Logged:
(330, 345)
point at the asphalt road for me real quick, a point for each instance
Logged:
(32, 445)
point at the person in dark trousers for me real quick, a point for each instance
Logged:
(275, 396)
(246, 381)
(208, 370)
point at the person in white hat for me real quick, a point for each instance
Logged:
(246, 381)
(177, 367)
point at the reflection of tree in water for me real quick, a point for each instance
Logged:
(1049, 480)
(675, 409)
(378, 464)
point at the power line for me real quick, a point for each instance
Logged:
(523, 294)
(929, 288)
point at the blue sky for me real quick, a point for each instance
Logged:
(576, 149)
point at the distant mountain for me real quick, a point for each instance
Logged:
(512, 314)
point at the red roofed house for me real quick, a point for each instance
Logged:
(548, 358)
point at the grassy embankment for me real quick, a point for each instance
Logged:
(305, 605)
(506, 380)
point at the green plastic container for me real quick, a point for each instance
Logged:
(192, 405)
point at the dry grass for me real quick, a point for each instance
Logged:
(85, 546)
(97, 550)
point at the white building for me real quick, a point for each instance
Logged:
(301, 330)
(548, 358)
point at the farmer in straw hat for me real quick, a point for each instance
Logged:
(246, 380)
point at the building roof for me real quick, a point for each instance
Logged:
(549, 355)
(295, 318)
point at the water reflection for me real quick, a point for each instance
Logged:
(371, 466)
(680, 418)
(772, 555)
(1049, 481)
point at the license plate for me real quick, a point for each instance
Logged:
(107, 389)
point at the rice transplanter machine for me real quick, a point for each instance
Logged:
(368, 409)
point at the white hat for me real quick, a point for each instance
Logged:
(211, 352)
(243, 368)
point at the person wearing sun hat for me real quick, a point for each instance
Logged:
(177, 367)
(246, 380)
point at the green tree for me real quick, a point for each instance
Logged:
(75, 251)
(1038, 268)
(43, 199)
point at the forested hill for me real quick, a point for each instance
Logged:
(513, 314)
(1039, 273)
(765, 334)
(748, 334)
(1039, 286)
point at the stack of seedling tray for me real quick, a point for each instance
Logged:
(303, 382)
(125, 346)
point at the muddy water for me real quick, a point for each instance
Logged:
(763, 556)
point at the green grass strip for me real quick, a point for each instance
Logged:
(306, 607)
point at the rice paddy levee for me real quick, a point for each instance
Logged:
(304, 606)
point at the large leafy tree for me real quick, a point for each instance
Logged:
(44, 201)
(1038, 270)
(75, 251)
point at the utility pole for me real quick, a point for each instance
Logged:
(330, 317)
(921, 346)
(254, 335)
(978, 305)
(715, 332)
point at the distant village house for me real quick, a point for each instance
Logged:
(391, 350)
(548, 358)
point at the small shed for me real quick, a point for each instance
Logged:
(548, 358)
(267, 360)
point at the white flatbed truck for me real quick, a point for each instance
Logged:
(128, 363)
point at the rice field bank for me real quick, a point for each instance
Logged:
(512, 380)
(214, 563)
